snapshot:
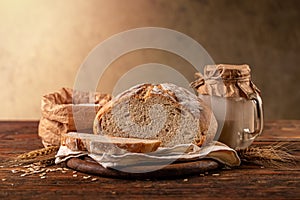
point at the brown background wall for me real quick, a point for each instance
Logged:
(43, 43)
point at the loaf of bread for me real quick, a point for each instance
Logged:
(166, 112)
(98, 144)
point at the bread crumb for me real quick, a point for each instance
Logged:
(43, 177)
(74, 175)
(4, 179)
(94, 179)
(215, 174)
(185, 180)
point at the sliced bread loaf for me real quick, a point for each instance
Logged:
(165, 112)
(112, 145)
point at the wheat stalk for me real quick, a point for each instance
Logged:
(38, 153)
(44, 156)
(276, 155)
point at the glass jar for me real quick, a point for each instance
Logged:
(235, 101)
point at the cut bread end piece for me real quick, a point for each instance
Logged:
(165, 112)
(99, 144)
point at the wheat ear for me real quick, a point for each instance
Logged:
(38, 153)
(269, 156)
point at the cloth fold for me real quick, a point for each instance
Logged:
(163, 156)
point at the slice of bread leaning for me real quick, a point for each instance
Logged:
(166, 112)
(105, 144)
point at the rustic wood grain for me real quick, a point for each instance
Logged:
(245, 182)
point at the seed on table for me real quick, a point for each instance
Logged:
(202, 174)
(63, 172)
(74, 175)
(66, 169)
(215, 174)
(36, 167)
(94, 179)
(4, 179)
(74, 172)
(43, 177)
(43, 174)
(23, 174)
(14, 171)
(42, 170)
(86, 177)
(185, 180)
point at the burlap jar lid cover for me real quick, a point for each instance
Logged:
(226, 81)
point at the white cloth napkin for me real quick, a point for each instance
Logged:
(163, 156)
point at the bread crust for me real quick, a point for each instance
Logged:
(179, 98)
(105, 144)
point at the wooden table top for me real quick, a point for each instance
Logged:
(248, 181)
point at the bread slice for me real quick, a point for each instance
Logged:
(105, 144)
(165, 112)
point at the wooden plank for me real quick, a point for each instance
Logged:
(245, 182)
(281, 130)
